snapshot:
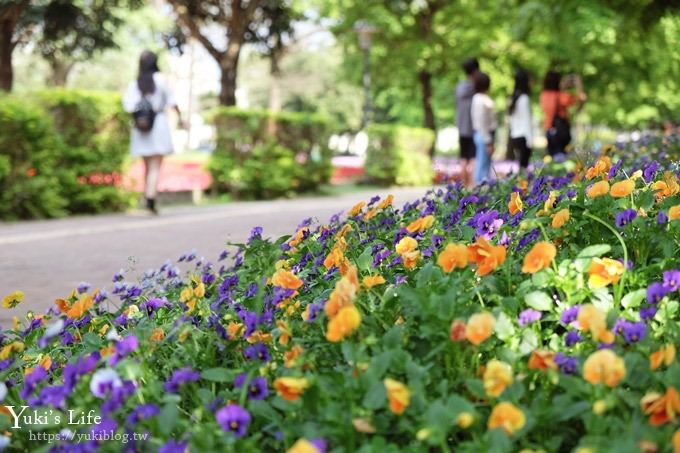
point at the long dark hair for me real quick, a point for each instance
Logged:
(521, 87)
(148, 65)
(552, 81)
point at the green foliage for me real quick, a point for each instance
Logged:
(29, 186)
(399, 155)
(63, 152)
(625, 51)
(95, 131)
(261, 154)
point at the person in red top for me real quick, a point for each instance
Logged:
(554, 101)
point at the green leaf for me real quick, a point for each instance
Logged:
(529, 342)
(634, 299)
(586, 255)
(365, 260)
(167, 419)
(216, 374)
(376, 397)
(602, 299)
(504, 327)
(538, 300)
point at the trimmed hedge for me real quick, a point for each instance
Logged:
(398, 155)
(29, 186)
(66, 150)
(252, 161)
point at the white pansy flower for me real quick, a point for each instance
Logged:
(106, 378)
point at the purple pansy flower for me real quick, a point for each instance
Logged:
(529, 316)
(623, 218)
(257, 387)
(179, 377)
(233, 418)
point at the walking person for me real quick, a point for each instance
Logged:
(555, 103)
(147, 99)
(484, 125)
(464, 92)
(521, 138)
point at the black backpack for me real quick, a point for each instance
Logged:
(144, 115)
(559, 134)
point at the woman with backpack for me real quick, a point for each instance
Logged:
(147, 99)
(555, 102)
(521, 137)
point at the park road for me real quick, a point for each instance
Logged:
(47, 259)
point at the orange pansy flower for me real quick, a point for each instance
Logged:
(515, 204)
(386, 202)
(665, 355)
(157, 335)
(622, 188)
(356, 209)
(604, 366)
(344, 293)
(539, 257)
(453, 256)
(286, 279)
(343, 324)
(598, 189)
(506, 416)
(289, 357)
(542, 360)
(290, 388)
(593, 320)
(373, 280)
(420, 224)
(80, 307)
(487, 257)
(497, 376)
(604, 272)
(406, 244)
(398, 395)
(560, 218)
(457, 330)
(661, 408)
(674, 212)
(479, 327)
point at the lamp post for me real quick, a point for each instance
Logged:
(365, 30)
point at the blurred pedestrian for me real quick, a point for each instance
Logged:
(521, 138)
(147, 99)
(464, 92)
(484, 124)
(555, 102)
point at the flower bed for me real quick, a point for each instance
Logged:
(532, 314)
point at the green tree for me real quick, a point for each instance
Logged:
(235, 19)
(73, 31)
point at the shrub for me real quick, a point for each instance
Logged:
(63, 152)
(29, 185)
(95, 131)
(399, 155)
(290, 148)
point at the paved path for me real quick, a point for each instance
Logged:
(47, 259)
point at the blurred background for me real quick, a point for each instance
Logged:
(287, 96)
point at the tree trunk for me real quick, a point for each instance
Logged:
(229, 68)
(425, 79)
(7, 25)
(60, 72)
(274, 103)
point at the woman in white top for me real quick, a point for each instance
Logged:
(155, 143)
(520, 120)
(484, 125)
